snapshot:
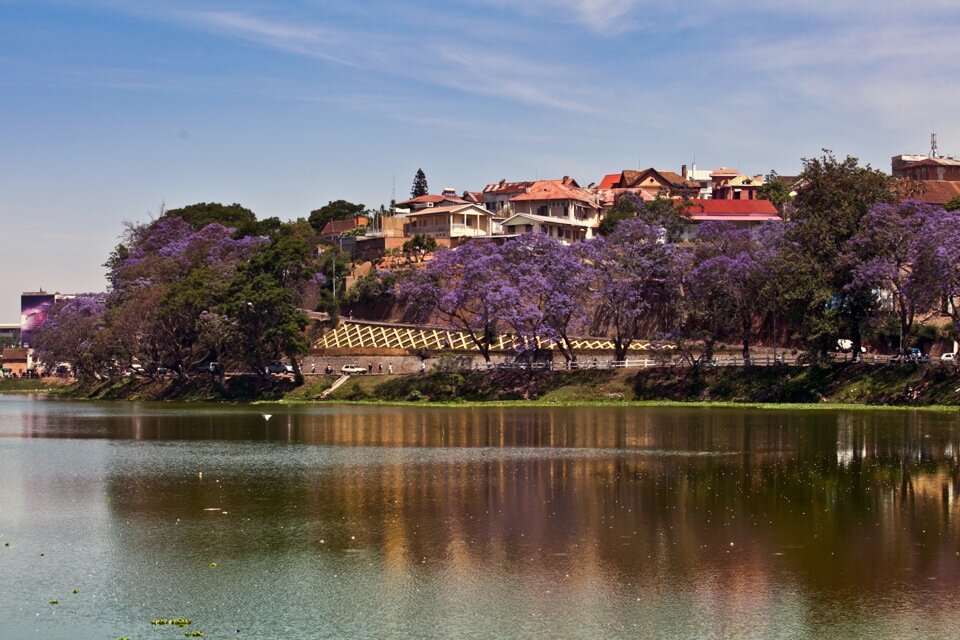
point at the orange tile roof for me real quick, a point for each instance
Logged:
(939, 191)
(555, 190)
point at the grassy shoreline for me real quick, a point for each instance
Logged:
(935, 388)
(701, 404)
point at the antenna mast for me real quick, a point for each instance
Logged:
(933, 146)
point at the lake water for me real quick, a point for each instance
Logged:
(402, 522)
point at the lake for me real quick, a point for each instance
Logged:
(483, 522)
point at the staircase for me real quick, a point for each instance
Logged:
(336, 385)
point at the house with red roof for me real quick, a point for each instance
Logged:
(741, 213)
(937, 177)
(332, 231)
(447, 198)
(557, 208)
(647, 184)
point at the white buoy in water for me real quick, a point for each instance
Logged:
(267, 416)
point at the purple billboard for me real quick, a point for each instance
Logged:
(33, 313)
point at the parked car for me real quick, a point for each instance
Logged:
(279, 367)
(352, 369)
(208, 367)
(950, 358)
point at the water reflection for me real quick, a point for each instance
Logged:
(653, 521)
(845, 502)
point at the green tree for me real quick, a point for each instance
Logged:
(419, 244)
(268, 323)
(335, 210)
(775, 190)
(625, 206)
(828, 212)
(234, 216)
(953, 204)
(670, 215)
(419, 185)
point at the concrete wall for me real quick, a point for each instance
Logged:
(401, 363)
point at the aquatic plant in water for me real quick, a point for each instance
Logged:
(179, 622)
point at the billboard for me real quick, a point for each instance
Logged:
(33, 313)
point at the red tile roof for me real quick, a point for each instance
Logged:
(473, 196)
(336, 227)
(939, 191)
(731, 210)
(556, 190)
(431, 199)
(609, 181)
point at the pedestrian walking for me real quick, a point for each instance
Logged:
(390, 369)
(380, 368)
(313, 367)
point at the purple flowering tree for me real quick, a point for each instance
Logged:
(74, 333)
(162, 277)
(935, 254)
(633, 277)
(465, 289)
(724, 286)
(551, 283)
(882, 255)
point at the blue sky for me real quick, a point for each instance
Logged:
(112, 108)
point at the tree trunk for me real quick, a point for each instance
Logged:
(746, 339)
(707, 350)
(620, 347)
(857, 341)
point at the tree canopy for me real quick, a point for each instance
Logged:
(335, 210)
(419, 187)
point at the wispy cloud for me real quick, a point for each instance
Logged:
(312, 41)
(438, 59)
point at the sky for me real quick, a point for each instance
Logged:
(112, 110)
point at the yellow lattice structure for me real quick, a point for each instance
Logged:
(366, 335)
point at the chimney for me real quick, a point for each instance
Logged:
(683, 172)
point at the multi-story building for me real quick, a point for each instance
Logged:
(558, 208)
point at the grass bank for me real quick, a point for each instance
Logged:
(832, 385)
(843, 384)
(33, 385)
